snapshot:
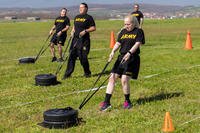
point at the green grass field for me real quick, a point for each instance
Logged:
(168, 80)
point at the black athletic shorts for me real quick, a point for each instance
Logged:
(129, 68)
(58, 40)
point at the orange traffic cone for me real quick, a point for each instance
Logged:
(167, 125)
(112, 39)
(188, 43)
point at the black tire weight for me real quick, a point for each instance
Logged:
(45, 79)
(26, 60)
(62, 117)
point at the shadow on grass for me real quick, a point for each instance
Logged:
(50, 84)
(158, 97)
(62, 125)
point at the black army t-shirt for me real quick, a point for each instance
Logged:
(138, 15)
(128, 38)
(82, 22)
(61, 23)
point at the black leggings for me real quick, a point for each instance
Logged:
(81, 53)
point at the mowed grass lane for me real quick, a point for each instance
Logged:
(174, 88)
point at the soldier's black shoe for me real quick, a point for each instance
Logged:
(87, 75)
(54, 59)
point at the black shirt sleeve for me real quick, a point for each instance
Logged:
(119, 36)
(141, 15)
(67, 21)
(139, 37)
(91, 21)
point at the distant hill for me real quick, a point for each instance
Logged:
(99, 11)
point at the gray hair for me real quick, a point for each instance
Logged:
(133, 20)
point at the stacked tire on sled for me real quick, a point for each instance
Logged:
(60, 118)
(45, 79)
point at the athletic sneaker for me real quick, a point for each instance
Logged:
(127, 105)
(60, 60)
(54, 59)
(104, 106)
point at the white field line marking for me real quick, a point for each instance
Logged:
(189, 121)
(76, 92)
(193, 66)
(156, 74)
(150, 76)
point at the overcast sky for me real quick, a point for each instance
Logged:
(67, 3)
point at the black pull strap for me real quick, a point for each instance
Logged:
(66, 47)
(86, 100)
(42, 50)
(62, 63)
(95, 83)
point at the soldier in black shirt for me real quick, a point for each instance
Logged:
(138, 14)
(80, 47)
(61, 25)
(128, 62)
